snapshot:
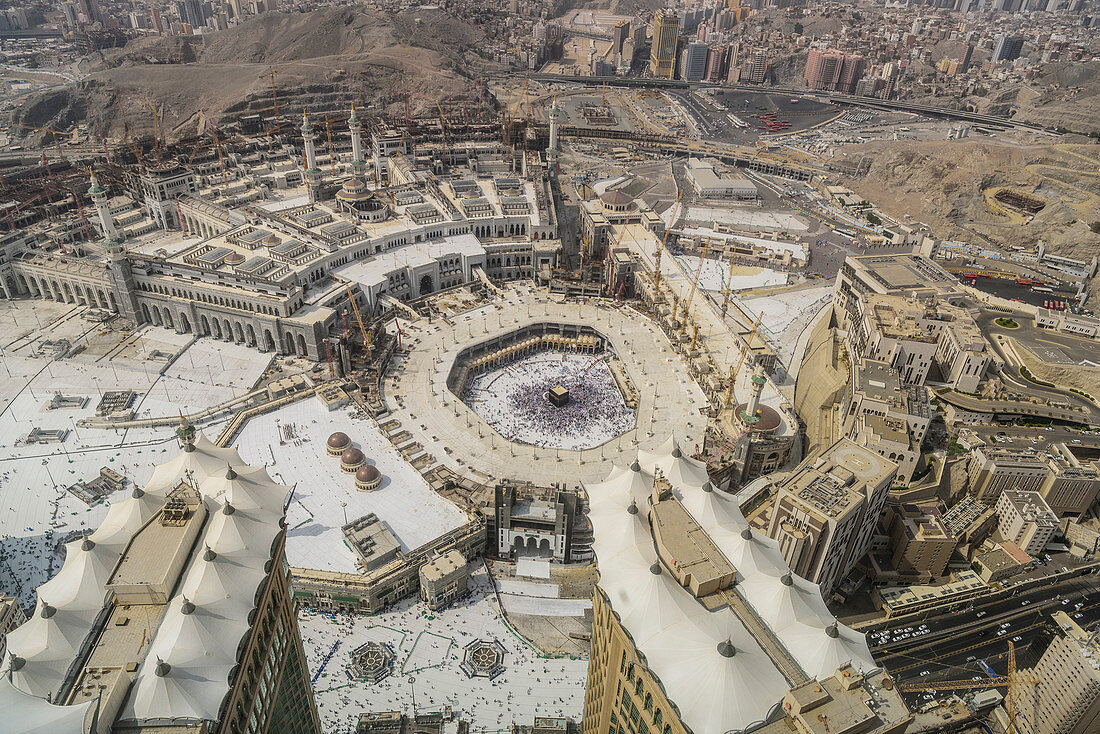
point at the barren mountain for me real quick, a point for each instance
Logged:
(949, 185)
(338, 54)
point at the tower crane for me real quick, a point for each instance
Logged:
(695, 282)
(1012, 682)
(726, 288)
(359, 319)
(271, 72)
(734, 371)
(660, 249)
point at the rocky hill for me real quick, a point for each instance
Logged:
(346, 53)
(946, 183)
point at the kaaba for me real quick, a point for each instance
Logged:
(559, 396)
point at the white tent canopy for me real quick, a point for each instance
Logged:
(680, 638)
(27, 714)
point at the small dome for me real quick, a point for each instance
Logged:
(339, 440)
(367, 478)
(270, 240)
(234, 258)
(351, 460)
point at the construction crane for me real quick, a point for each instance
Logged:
(331, 149)
(660, 249)
(1012, 682)
(726, 288)
(695, 282)
(359, 319)
(156, 128)
(271, 72)
(734, 371)
(442, 121)
(54, 133)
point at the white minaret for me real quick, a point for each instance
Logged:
(307, 142)
(358, 162)
(758, 381)
(555, 118)
(356, 142)
(106, 221)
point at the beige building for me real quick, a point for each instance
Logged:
(922, 545)
(665, 30)
(887, 416)
(443, 579)
(824, 515)
(1067, 697)
(1026, 520)
(992, 470)
(1071, 486)
(970, 520)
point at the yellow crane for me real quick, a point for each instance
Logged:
(359, 320)
(331, 150)
(695, 282)
(271, 72)
(156, 128)
(660, 249)
(1012, 683)
(726, 289)
(744, 353)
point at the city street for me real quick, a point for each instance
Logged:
(956, 645)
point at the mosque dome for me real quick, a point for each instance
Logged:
(338, 443)
(367, 478)
(351, 460)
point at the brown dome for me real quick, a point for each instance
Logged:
(767, 418)
(367, 473)
(339, 440)
(353, 458)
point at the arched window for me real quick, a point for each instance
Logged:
(638, 687)
(648, 702)
(657, 717)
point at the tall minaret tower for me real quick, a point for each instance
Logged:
(556, 116)
(358, 164)
(758, 381)
(106, 221)
(307, 142)
(312, 172)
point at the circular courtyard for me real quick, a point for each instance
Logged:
(472, 390)
(518, 401)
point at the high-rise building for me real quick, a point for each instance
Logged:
(698, 624)
(192, 13)
(70, 14)
(824, 515)
(1026, 520)
(922, 545)
(619, 35)
(1066, 699)
(758, 66)
(666, 36)
(964, 62)
(693, 62)
(833, 70)
(175, 615)
(1007, 48)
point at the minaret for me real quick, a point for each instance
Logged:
(556, 116)
(312, 172)
(106, 221)
(758, 381)
(357, 161)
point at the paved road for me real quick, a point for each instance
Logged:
(956, 644)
